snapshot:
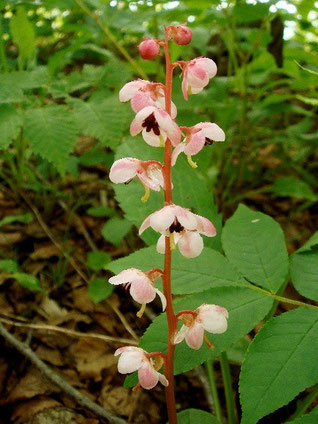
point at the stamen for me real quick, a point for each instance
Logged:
(162, 141)
(141, 310)
(208, 343)
(172, 243)
(146, 196)
(189, 90)
(191, 163)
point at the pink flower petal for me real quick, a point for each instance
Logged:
(194, 337)
(209, 65)
(205, 226)
(123, 170)
(140, 100)
(144, 113)
(196, 144)
(190, 244)
(185, 82)
(213, 318)
(135, 128)
(162, 298)
(151, 138)
(161, 244)
(129, 89)
(148, 377)
(162, 219)
(213, 132)
(152, 176)
(181, 334)
(163, 380)
(131, 360)
(144, 225)
(186, 218)
(127, 276)
(142, 291)
(176, 152)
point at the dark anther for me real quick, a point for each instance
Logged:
(129, 181)
(150, 123)
(176, 227)
(208, 141)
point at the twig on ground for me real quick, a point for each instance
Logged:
(59, 381)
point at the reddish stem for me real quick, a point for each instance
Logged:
(186, 311)
(150, 355)
(171, 318)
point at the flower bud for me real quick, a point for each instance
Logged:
(181, 34)
(149, 49)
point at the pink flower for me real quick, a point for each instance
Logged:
(143, 93)
(133, 359)
(156, 126)
(198, 136)
(148, 172)
(149, 49)
(141, 284)
(182, 226)
(196, 75)
(181, 34)
(210, 318)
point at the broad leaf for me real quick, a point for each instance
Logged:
(52, 132)
(281, 362)
(99, 289)
(23, 34)
(10, 124)
(246, 308)
(97, 259)
(254, 243)
(27, 280)
(310, 418)
(210, 269)
(189, 191)
(293, 187)
(115, 230)
(196, 416)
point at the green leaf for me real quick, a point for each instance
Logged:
(310, 418)
(280, 362)
(106, 120)
(236, 353)
(196, 416)
(97, 259)
(101, 211)
(25, 218)
(27, 280)
(246, 308)
(10, 93)
(99, 289)
(190, 190)
(293, 187)
(115, 230)
(304, 272)
(313, 241)
(23, 34)
(254, 243)
(10, 124)
(8, 265)
(52, 133)
(131, 380)
(210, 269)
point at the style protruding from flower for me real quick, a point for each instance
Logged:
(142, 93)
(141, 285)
(149, 173)
(180, 34)
(196, 75)
(182, 226)
(136, 359)
(210, 318)
(198, 136)
(156, 126)
(149, 49)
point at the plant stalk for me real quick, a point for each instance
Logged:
(229, 397)
(171, 318)
(214, 390)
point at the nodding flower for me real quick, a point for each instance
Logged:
(136, 359)
(142, 93)
(198, 136)
(210, 318)
(156, 126)
(196, 75)
(182, 226)
(141, 286)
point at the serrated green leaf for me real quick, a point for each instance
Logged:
(254, 243)
(23, 34)
(189, 191)
(9, 265)
(282, 355)
(293, 187)
(210, 269)
(311, 418)
(10, 93)
(106, 120)
(99, 289)
(98, 259)
(52, 132)
(27, 280)
(196, 416)
(10, 124)
(115, 230)
(246, 308)
(304, 272)
(26, 80)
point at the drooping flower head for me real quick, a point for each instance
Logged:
(210, 318)
(182, 226)
(196, 75)
(136, 359)
(156, 126)
(180, 34)
(149, 49)
(141, 285)
(198, 136)
(142, 93)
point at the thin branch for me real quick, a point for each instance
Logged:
(72, 333)
(58, 380)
